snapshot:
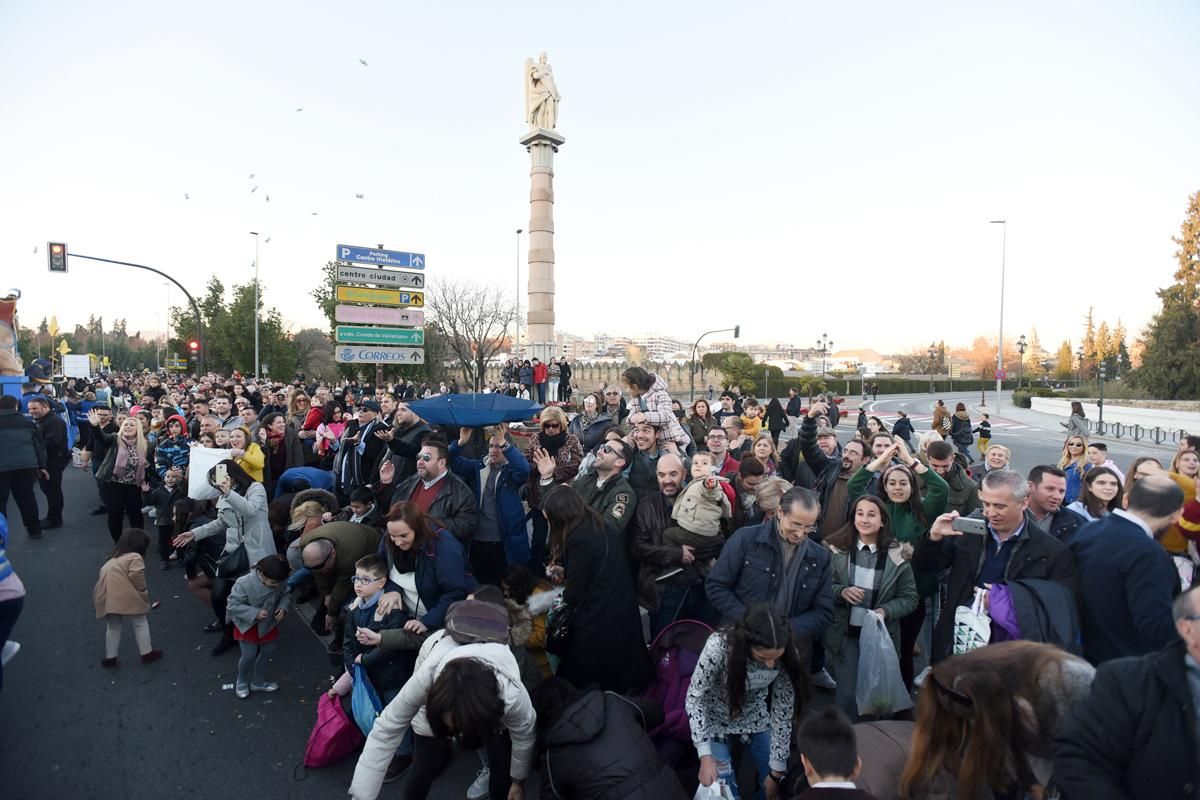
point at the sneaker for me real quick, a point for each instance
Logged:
(398, 767)
(173, 557)
(823, 680)
(242, 691)
(11, 648)
(152, 656)
(269, 686)
(109, 663)
(478, 790)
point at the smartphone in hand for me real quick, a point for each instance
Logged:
(970, 525)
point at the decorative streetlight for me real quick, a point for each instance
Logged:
(825, 345)
(1079, 355)
(932, 354)
(1022, 346)
(1103, 374)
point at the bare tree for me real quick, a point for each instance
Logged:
(474, 319)
(314, 352)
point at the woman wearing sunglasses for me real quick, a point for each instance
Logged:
(1074, 462)
(564, 447)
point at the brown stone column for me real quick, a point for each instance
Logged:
(542, 144)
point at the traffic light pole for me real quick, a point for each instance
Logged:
(186, 293)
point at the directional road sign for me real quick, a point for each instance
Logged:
(381, 258)
(380, 277)
(369, 354)
(380, 316)
(379, 297)
(395, 336)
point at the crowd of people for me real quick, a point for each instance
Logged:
(1054, 608)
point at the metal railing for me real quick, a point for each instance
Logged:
(1137, 433)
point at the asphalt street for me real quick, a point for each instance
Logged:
(71, 729)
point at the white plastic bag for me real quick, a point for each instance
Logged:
(200, 461)
(972, 626)
(880, 690)
(717, 790)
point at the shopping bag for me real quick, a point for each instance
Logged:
(364, 702)
(717, 790)
(200, 461)
(880, 690)
(972, 627)
(333, 737)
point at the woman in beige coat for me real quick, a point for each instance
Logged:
(121, 592)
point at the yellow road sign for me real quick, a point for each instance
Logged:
(380, 297)
(63, 348)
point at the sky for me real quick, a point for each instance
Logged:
(797, 168)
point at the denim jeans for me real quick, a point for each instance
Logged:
(759, 747)
(298, 577)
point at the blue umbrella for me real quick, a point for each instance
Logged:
(474, 410)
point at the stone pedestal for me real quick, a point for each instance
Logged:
(542, 144)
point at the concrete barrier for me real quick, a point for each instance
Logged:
(1145, 417)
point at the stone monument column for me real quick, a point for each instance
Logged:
(542, 142)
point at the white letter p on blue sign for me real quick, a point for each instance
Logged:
(345, 252)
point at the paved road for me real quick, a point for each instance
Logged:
(1034, 438)
(71, 729)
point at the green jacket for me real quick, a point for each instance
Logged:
(897, 596)
(615, 501)
(906, 528)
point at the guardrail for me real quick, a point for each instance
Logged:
(1137, 433)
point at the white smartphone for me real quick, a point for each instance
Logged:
(220, 474)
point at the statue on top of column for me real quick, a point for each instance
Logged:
(541, 94)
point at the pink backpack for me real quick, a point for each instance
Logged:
(334, 737)
(675, 652)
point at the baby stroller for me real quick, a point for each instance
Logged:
(674, 653)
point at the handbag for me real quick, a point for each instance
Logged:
(236, 562)
(972, 626)
(334, 736)
(364, 701)
(559, 630)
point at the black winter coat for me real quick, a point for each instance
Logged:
(1134, 736)
(825, 468)
(652, 554)
(454, 507)
(1036, 555)
(598, 750)
(54, 436)
(606, 627)
(793, 468)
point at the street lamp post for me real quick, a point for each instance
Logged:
(825, 345)
(257, 368)
(1103, 374)
(737, 331)
(1000, 339)
(1022, 345)
(1079, 355)
(932, 353)
(517, 318)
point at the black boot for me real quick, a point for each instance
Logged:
(227, 642)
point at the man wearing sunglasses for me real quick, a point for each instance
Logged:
(604, 489)
(435, 490)
(1135, 734)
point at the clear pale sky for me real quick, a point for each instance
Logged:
(797, 168)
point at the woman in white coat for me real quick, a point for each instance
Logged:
(241, 518)
(471, 693)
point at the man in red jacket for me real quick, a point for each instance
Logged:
(541, 374)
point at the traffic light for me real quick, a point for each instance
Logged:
(57, 253)
(193, 347)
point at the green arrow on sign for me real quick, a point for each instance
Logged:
(361, 334)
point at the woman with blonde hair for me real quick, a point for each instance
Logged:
(1074, 462)
(765, 451)
(125, 466)
(564, 447)
(1185, 467)
(246, 452)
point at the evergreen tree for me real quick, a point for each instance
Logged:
(1064, 364)
(1091, 350)
(1170, 365)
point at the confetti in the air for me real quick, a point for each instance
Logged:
(363, 61)
(255, 189)
(358, 196)
(187, 196)
(299, 109)
(267, 240)
(35, 249)
(314, 213)
(251, 177)
(268, 198)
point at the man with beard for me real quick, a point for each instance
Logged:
(964, 492)
(669, 586)
(405, 440)
(718, 444)
(643, 470)
(361, 450)
(1047, 489)
(833, 474)
(500, 537)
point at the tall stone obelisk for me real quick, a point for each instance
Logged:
(542, 142)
